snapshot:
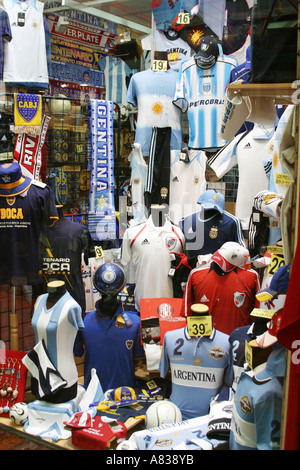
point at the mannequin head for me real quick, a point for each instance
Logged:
(199, 310)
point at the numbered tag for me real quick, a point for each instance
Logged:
(199, 325)
(275, 263)
(160, 65)
(262, 312)
(183, 18)
(282, 178)
(248, 355)
(275, 250)
(99, 252)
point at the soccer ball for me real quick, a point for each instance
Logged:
(19, 413)
(127, 445)
(109, 278)
(162, 412)
(124, 113)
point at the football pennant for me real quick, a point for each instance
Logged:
(27, 113)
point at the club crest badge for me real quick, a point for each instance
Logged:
(239, 298)
(28, 109)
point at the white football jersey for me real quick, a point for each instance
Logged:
(149, 248)
(248, 151)
(187, 182)
(177, 49)
(25, 58)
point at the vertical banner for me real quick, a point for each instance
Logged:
(102, 215)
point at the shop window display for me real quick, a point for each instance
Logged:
(166, 162)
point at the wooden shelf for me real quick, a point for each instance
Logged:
(280, 92)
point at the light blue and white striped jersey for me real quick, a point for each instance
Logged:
(115, 73)
(152, 92)
(58, 327)
(199, 367)
(256, 417)
(278, 178)
(201, 93)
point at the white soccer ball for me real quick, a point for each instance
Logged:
(124, 113)
(127, 445)
(18, 413)
(162, 412)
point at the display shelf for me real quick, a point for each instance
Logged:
(282, 93)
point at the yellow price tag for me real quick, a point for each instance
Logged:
(183, 18)
(275, 250)
(262, 312)
(99, 252)
(199, 325)
(275, 263)
(248, 355)
(159, 65)
(282, 178)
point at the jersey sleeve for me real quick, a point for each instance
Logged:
(102, 63)
(187, 300)
(5, 26)
(179, 99)
(131, 92)
(229, 370)
(75, 316)
(164, 360)
(225, 159)
(267, 416)
(126, 248)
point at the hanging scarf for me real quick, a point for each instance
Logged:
(102, 215)
(28, 151)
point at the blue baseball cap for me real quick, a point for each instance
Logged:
(278, 285)
(212, 199)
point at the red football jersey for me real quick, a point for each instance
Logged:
(230, 297)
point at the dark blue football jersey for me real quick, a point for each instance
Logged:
(64, 243)
(204, 236)
(23, 218)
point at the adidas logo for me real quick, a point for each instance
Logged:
(204, 299)
(248, 146)
(175, 179)
(145, 242)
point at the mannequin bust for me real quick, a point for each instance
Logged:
(55, 289)
(215, 267)
(161, 56)
(199, 310)
(107, 305)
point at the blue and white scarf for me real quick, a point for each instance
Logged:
(102, 215)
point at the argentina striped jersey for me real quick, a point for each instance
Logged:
(201, 93)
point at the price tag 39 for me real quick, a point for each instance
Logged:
(199, 325)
